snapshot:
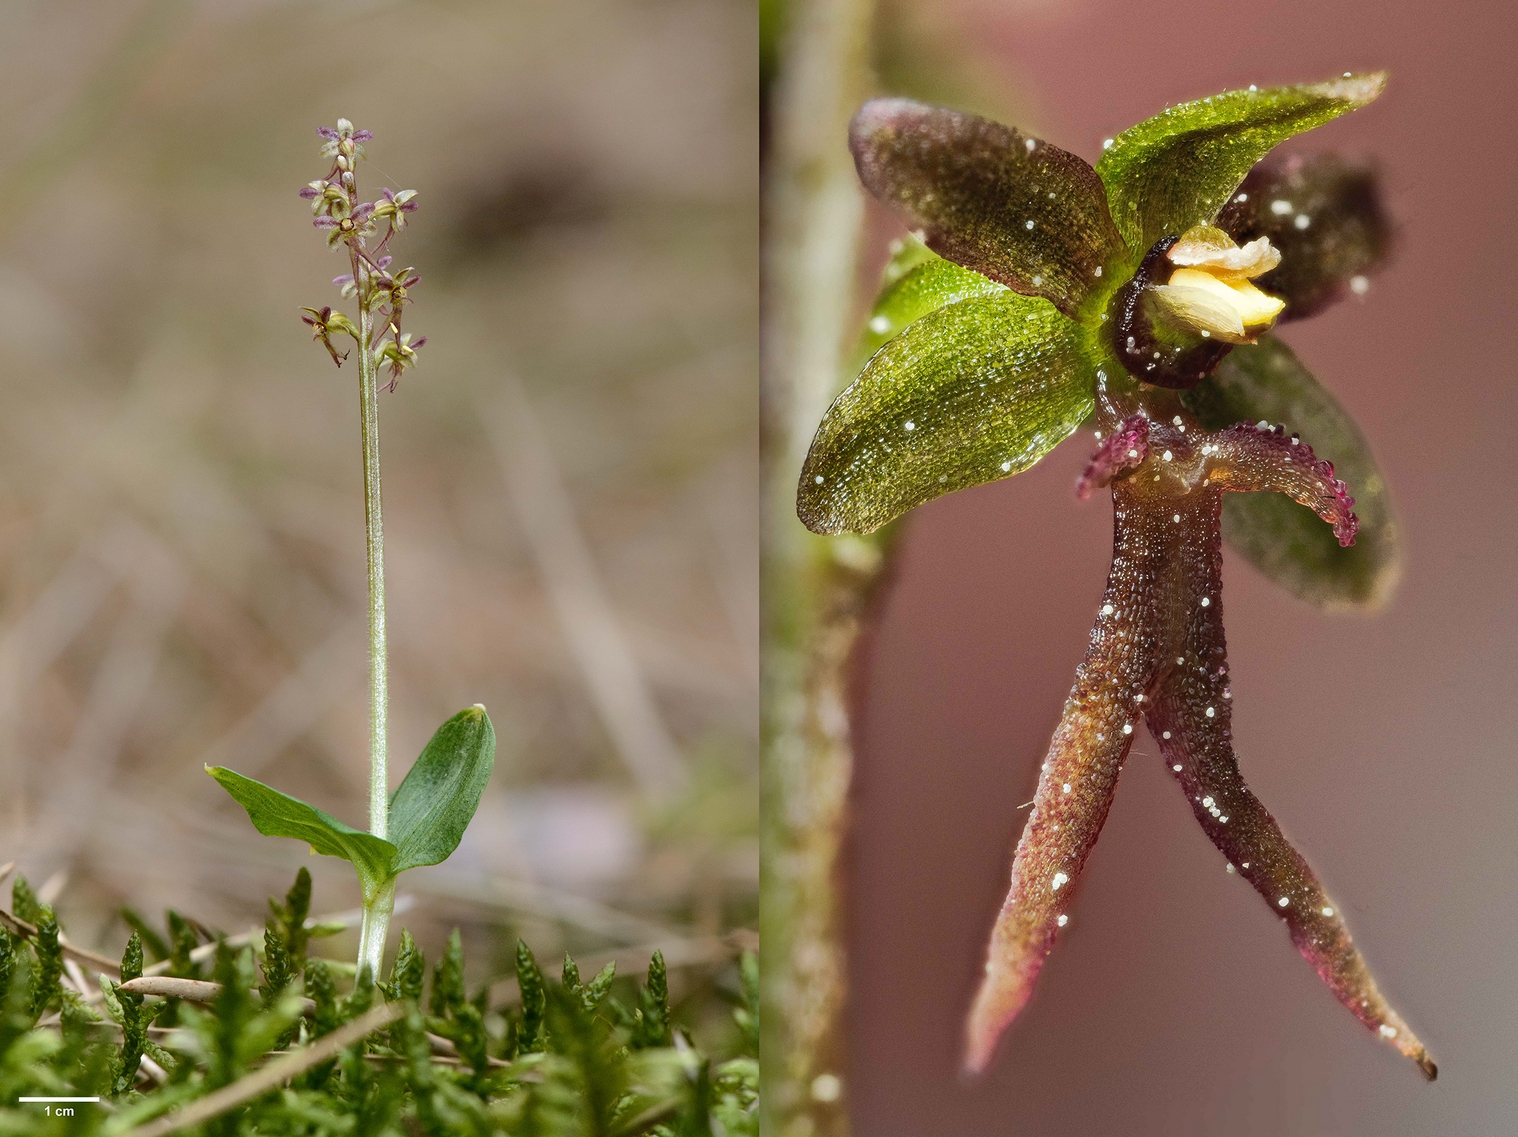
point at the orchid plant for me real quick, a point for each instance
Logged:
(424, 820)
(1039, 294)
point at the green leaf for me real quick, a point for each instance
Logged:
(1015, 209)
(928, 285)
(968, 394)
(1284, 540)
(279, 815)
(1179, 168)
(433, 806)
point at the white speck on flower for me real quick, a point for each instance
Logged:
(1207, 801)
(1224, 819)
(1177, 766)
(1028, 224)
(1179, 660)
(911, 425)
(1099, 433)
(1280, 207)
(1062, 921)
(1328, 911)
(1284, 901)
(1037, 280)
(1359, 285)
(1211, 713)
(1133, 453)
(1230, 866)
(818, 479)
(1206, 601)
(1029, 143)
(1167, 456)
(1127, 728)
(1175, 517)
(1059, 879)
(1098, 273)
(1064, 789)
(1166, 734)
(1242, 197)
(1252, 87)
(1388, 1031)
(1302, 221)
(1106, 609)
(1006, 467)
(1246, 864)
(880, 325)
(1107, 143)
(1176, 420)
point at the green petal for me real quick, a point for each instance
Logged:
(1022, 212)
(1179, 168)
(1325, 216)
(972, 392)
(1284, 540)
(276, 814)
(930, 283)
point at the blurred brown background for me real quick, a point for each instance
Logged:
(1175, 1004)
(569, 475)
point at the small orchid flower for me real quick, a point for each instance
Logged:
(323, 323)
(1137, 296)
(395, 207)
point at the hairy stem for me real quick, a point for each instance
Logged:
(376, 914)
(816, 591)
(376, 922)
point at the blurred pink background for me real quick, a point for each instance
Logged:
(1175, 1004)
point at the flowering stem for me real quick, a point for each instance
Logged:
(377, 911)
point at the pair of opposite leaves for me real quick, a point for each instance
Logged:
(429, 810)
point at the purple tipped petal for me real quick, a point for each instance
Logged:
(363, 136)
(327, 132)
(363, 210)
(1253, 457)
(1022, 212)
(389, 193)
(1123, 449)
(342, 281)
(383, 262)
(308, 192)
(416, 278)
(419, 343)
(409, 207)
(324, 223)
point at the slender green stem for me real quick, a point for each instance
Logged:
(376, 914)
(371, 934)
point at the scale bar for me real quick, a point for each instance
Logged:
(57, 1099)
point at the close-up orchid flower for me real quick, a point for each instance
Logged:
(1041, 294)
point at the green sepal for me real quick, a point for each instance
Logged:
(927, 284)
(1179, 168)
(432, 807)
(967, 394)
(279, 815)
(1286, 541)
